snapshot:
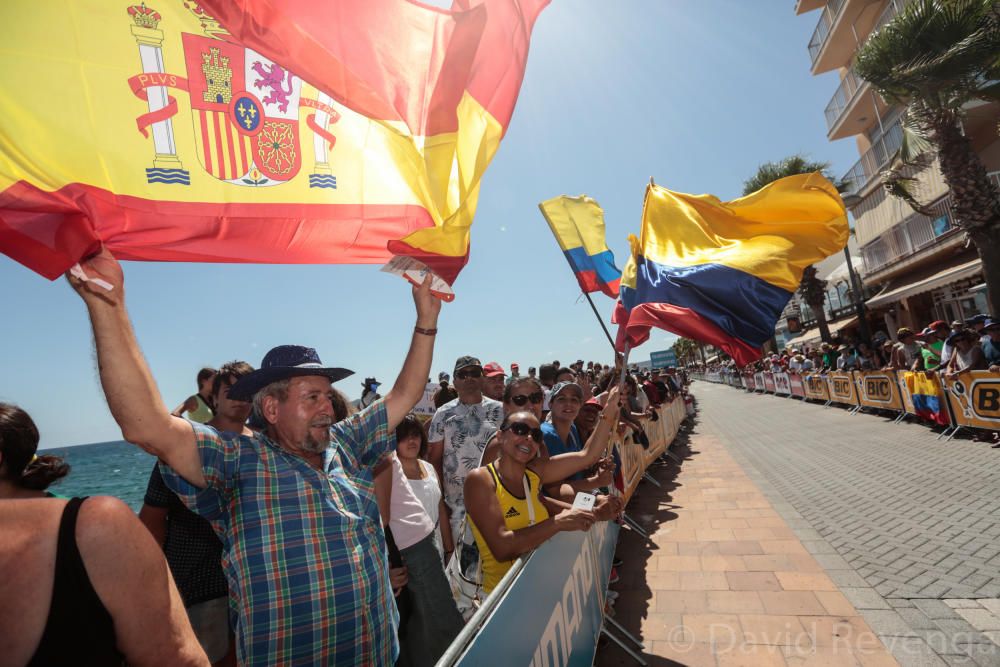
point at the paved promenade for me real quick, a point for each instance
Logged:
(796, 535)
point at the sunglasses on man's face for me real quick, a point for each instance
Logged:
(465, 375)
(523, 399)
(522, 429)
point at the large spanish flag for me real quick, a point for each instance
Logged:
(721, 272)
(305, 131)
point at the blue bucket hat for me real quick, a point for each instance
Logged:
(280, 363)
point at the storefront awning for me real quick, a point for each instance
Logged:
(895, 291)
(813, 336)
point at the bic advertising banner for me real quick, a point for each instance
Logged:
(842, 389)
(758, 381)
(879, 389)
(817, 388)
(782, 384)
(768, 381)
(975, 399)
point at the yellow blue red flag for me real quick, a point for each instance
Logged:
(578, 225)
(721, 272)
(299, 131)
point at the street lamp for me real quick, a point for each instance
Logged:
(850, 201)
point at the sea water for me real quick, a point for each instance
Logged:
(105, 469)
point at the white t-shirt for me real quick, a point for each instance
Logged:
(428, 492)
(465, 430)
(408, 519)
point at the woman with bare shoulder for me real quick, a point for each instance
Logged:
(86, 584)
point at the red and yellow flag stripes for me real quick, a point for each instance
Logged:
(299, 132)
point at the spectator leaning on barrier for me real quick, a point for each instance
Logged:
(976, 323)
(561, 436)
(934, 337)
(509, 514)
(650, 390)
(847, 361)
(523, 394)
(905, 353)
(295, 506)
(458, 434)
(957, 326)
(991, 347)
(966, 354)
(662, 389)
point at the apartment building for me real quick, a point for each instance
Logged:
(916, 268)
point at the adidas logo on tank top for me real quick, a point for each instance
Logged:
(512, 512)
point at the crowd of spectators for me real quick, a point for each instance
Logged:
(938, 348)
(293, 526)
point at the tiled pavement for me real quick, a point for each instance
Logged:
(725, 581)
(905, 528)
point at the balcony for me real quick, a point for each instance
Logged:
(843, 25)
(803, 6)
(874, 160)
(827, 18)
(914, 234)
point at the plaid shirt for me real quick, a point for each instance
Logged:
(304, 551)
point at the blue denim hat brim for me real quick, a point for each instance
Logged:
(247, 386)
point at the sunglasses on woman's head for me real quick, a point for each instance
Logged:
(465, 375)
(522, 429)
(535, 398)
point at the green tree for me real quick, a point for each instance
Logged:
(934, 58)
(811, 289)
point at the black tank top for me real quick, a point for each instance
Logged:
(79, 630)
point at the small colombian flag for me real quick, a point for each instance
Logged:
(578, 225)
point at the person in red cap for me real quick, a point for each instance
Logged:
(515, 370)
(494, 378)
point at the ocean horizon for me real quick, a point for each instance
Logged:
(112, 468)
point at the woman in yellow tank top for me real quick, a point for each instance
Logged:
(508, 514)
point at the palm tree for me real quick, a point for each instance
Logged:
(934, 57)
(685, 349)
(811, 289)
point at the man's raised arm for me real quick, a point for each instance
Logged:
(128, 385)
(409, 386)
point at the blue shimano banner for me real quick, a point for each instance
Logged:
(552, 614)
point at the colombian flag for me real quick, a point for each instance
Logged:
(302, 131)
(721, 272)
(578, 225)
(928, 397)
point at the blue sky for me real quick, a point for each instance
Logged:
(695, 93)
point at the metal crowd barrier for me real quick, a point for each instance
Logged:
(970, 400)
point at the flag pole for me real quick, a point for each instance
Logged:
(589, 300)
(598, 316)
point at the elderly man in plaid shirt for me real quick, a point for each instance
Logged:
(294, 506)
